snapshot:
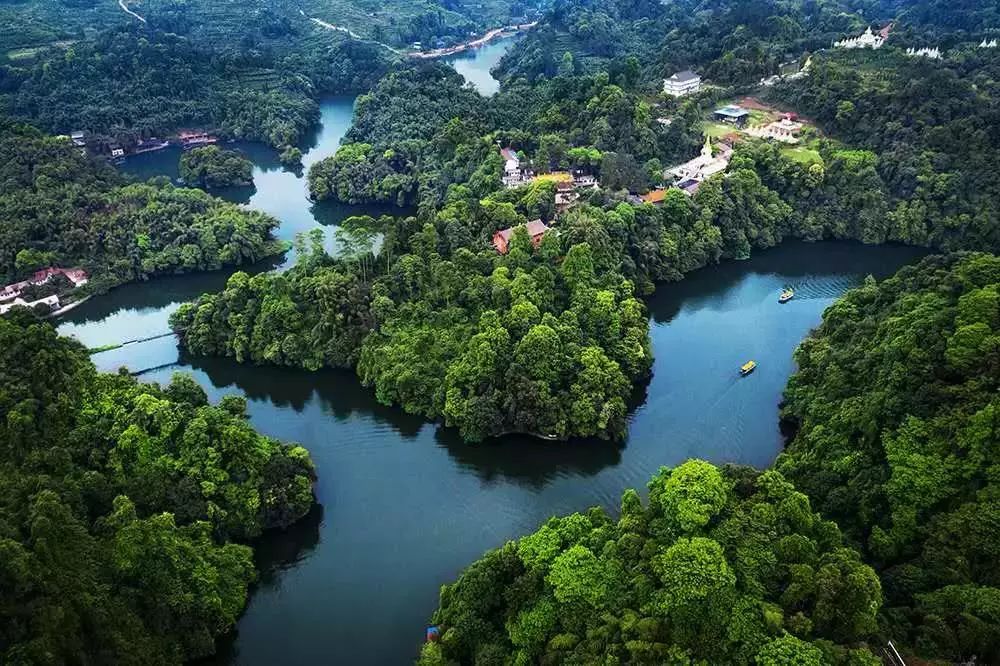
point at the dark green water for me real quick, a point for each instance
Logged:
(403, 505)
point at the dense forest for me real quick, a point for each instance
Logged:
(727, 566)
(132, 499)
(61, 207)
(895, 411)
(734, 43)
(125, 507)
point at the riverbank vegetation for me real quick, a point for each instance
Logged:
(895, 411)
(727, 566)
(211, 166)
(126, 506)
(62, 208)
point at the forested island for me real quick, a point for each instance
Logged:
(506, 298)
(211, 166)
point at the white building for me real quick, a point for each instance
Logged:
(513, 174)
(682, 83)
(51, 301)
(866, 40)
(933, 54)
(991, 44)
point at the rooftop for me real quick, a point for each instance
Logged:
(685, 76)
(732, 111)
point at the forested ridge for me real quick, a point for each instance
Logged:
(62, 208)
(125, 507)
(895, 411)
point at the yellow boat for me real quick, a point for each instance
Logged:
(786, 295)
(748, 367)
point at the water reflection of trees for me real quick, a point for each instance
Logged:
(162, 291)
(275, 552)
(339, 391)
(528, 461)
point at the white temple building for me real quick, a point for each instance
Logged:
(866, 40)
(991, 44)
(705, 165)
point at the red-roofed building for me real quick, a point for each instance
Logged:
(536, 229)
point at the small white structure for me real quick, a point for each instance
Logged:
(117, 152)
(51, 301)
(769, 81)
(866, 40)
(991, 44)
(682, 83)
(933, 54)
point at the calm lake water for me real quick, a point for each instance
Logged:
(475, 65)
(404, 506)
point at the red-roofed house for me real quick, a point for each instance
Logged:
(536, 229)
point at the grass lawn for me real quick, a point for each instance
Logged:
(803, 155)
(716, 130)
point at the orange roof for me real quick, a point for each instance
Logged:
(654, 197)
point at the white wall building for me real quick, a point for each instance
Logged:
(933, 54)
(682, 83)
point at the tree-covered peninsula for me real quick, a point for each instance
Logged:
(62, 207)
(895, 414)
(722, 566)
(125, 507)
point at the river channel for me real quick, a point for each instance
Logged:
(403, 505)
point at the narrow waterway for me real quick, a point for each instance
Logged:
(403, 506)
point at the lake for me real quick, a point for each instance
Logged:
(402, 505)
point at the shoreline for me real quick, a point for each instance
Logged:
(472, 44)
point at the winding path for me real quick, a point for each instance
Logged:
(340, 28)
(121, 3)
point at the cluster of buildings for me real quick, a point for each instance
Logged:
(866, 40)
(567, 184)
(186, 139)
(934, 53)
(11, 294)
(536, 231)
(991, 44)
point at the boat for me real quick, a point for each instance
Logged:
(748, 367)
(786, 295)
